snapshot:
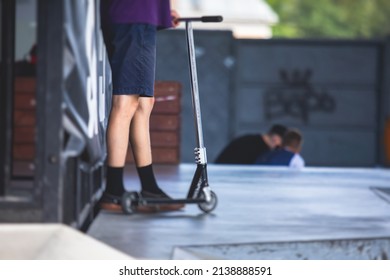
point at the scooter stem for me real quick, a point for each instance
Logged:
(200, 150)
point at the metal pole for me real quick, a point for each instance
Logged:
(49, 181)
(6, 86)
(200, 150)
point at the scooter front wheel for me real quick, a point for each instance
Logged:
(129, 202)
(210, 204)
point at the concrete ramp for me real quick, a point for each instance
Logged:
(52, 242)
(383, 193)
(348, 249)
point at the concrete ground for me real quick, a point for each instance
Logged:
(259, 205)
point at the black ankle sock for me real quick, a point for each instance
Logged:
(148, 181)
(114, 184)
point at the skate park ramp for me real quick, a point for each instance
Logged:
(352, 249)
(275, 213)
(52, 242)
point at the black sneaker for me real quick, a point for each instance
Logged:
(161, 195)
(110, 202)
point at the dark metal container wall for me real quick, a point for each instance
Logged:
(72, 104)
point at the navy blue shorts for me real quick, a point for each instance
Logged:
(132, 55)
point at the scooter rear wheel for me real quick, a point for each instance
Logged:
(129, 202)
(210, 205)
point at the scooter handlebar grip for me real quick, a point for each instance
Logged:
(212, 19)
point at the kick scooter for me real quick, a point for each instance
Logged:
(200, 192)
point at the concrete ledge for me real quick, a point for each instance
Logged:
(342, 249)
(52, 242)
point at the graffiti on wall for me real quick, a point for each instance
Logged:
(296, 97)
(86, 87)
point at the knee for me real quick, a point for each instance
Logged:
(124, 105)
(145, 105)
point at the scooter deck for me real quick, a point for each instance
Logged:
(152, 201)
(150, 208)
(157, 208)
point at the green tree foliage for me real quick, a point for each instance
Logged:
(332, 18)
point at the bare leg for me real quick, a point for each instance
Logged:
(140, 143)
(139, 132)
(130, 115)
(122, 111)
(121, 115)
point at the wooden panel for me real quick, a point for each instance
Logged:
(166, 155)
(167, 87)
(167, 98)
(164, 139)
(160, 122)
(24, 134)
(23, 152)
(164, 125)
(167, 103)
(24, 125)
(24, 100)
(25, 84)
(24, 118)
(160, 155)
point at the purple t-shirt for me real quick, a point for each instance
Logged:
(155, 12)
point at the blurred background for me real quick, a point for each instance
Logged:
(320, 66)
(296, 18)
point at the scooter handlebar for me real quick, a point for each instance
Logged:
(212, 19)
(203, 19)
